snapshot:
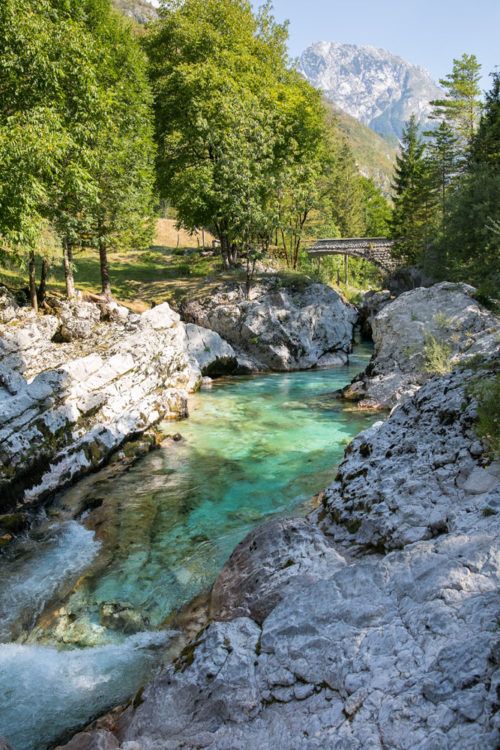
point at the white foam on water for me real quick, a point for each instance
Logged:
(45, 692)
(37, 572)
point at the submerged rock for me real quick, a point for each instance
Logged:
(372, 624)
(421, 333)
(278, 328)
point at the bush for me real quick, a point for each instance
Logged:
(437, 355)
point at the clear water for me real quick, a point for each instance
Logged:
(252, 448)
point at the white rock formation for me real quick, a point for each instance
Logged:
(422, 331)
(66, 420)
(209, 352)
(278, 328)
(347, 647)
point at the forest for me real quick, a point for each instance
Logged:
(105, 125)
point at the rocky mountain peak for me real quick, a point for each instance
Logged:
(377, 87)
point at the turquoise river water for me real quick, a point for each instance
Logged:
(84, 599)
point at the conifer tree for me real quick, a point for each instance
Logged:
(414, 201)
(461, 107)
(443, 162)
(471, 236)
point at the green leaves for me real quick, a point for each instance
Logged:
(76, 146)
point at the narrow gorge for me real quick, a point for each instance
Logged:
(351, 595)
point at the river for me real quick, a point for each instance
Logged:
(86, 596)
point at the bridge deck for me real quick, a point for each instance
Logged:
(375, 249)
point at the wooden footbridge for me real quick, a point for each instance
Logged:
(378, 250)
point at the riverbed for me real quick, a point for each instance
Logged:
(86, 597)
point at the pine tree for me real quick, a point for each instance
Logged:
(413, 217)
(443, 162)
(347, 195)
(472, 236)
(461, 107)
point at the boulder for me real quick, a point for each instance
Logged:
(259, 572)
(278, 328)
(78, 320)
(9, 308)
(423, 332)
(371, 304)
(381, 634)
(209, 352)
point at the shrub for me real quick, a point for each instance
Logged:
(437, 355)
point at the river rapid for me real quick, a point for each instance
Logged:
(86, 596)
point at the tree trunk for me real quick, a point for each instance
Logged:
(32, 280)
(224, 251)
(233, 255)
(103, 260)
(42, 287)
(346, 269)
(68, 269)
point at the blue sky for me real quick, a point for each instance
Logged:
(425, 32)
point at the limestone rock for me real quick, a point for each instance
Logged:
(209, 352)
(422, 332)
(66, 421)
(99, 740)
(77, 320)
(278, 328)
(259, 571)
(371, 304)
(9, 309)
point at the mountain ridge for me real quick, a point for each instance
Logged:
(377, 87)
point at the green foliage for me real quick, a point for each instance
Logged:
(245, 146)
(376, 209)
(374, 155)
(487, 394)
(461, 107)
(218, 75)
(446, 216)
(471, 236)
(437, 355)
(412, 222)
(75, 124)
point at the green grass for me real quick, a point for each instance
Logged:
(137, 278)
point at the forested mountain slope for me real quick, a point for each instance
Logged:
(374, 155)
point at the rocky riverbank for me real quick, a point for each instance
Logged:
(85, 377)
(73, 412)
(373, 622)
(421, 333)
